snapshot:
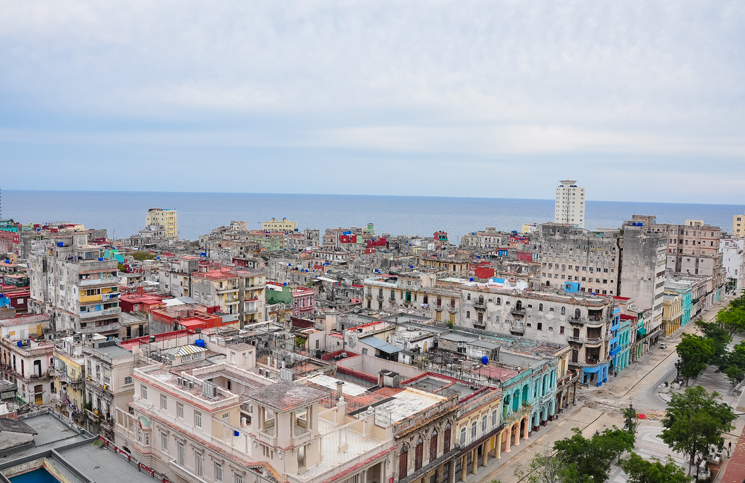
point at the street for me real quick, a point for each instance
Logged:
(599, 408)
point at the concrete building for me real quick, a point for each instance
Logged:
(26, 357)
(165, 217)
(672, 313)
(582, 321)
(68, 371)
(588, 260)
(241, 293)
(72, 282)
(733, 262)
(279, 225)
(570, 204)
(643, 267)
(738, 226)
(692, 248)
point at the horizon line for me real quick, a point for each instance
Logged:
(346, 194)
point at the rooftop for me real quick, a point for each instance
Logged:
(285, 396)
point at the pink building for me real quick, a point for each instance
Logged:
(303, 302)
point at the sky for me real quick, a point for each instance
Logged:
(637, 100)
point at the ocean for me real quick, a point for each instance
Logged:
(123, 213)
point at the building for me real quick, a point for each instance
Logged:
(283, 225)
(165, 217)
(643, 267)
(69, 378)
(590, 260)
(75, 285)
(26, 357)
(570, 204)
(672, 313)
(241, 293)
(738, 226)
(692, 248)
(733, 262)
(580, 320)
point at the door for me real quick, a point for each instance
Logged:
(433, 448)
(403, 462)
(38, 394)
(419, 455)
(446, 441)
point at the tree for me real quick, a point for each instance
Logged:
(640, 470)
(695, 354)
(732, 319)
(631, 421)
(142, 256)
(694, 420)
(719, 336)
(733, 363)
(543, 468)
(121, 267)
(589, 460)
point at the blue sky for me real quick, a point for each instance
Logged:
(637, 100)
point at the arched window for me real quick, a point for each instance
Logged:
(403, 462)
(499, 301)
(433, 447)
(446, 439)
(419, 455)
(563, 311)
(468, 297)
(463, 436)
(577, 313)
(494, 419)
(540, 307)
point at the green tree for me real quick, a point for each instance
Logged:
(732, 319)
(694, 420)
(732, 364)
(543, 468)
(122, 268)
(631, 421)
(589, 460)
(640, 470)
(718, 335)
(695, 354)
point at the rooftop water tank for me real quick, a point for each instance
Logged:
(484, 360)
(199, 342)
(60, 244)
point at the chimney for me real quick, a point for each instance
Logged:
(339, 392)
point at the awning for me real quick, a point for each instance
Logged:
(144, 423)
(641, 332)
(380, 345)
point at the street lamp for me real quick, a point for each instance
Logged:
(677, 370)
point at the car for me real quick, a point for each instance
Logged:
(663, 345)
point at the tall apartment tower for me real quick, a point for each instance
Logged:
(165, 217)
(570, 204)
(738, 226)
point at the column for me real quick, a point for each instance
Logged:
(463, 468)
(451, 472)
(498, 438)
(506, 441)
(527, 427)
(517, 433)
(485, 452)
(475, 461)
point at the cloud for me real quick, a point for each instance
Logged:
(389, 79)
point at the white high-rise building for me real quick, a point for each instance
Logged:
(570, 204)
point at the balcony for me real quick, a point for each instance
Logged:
(479, 324)
(518, 311)
(98, 281)
(615, 351)
(438, 308)
(96, 329)
(576, 340)
(577, 320)
(267, 438)
(593, 322)
(593, 341)
(452, 309)
(517, 330)
(226, 290)
(589, 362)
(100, 313)
(479, 305)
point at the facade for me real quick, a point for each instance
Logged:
(672, 314)
(579, 320)
(240, 293)
(26, 357)
(733, 262)
(643, 267)
(72, 283)
(590, 260)
(738, 226)
(303, 302)
(69, 378)
(279, 225)
(570, 204)
(692, 248)
(166, 218)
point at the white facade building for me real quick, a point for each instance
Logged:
(570, 204)
(733, 261)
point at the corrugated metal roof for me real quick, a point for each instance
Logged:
(184, 350)
(380, 345)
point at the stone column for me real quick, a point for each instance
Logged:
(517, 434)
(464, 468)
(475, 461)
(507, 440)
(485, 452)
(451, 472)
(525, 431)
(498, 441)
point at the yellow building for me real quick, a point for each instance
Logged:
(279, 225)
(529, 227)
(738, 226)
(672, 312)
(165, 217)
(69, 372)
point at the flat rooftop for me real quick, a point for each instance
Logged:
(101, 465)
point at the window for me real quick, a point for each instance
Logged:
(237, 478)
(540, 326)
(561, 330)
(180, 410)
(163, 401)
(163, 441)
(474, 428)
(181, 457)
(494, 419)
(218, 472)
(540, 307)
(468, 314)
(199, 464)
(563, 311)
(128, 380)
(143, 389)
(197, 419)
(483, 425)
(463, 436)
(364, 351)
